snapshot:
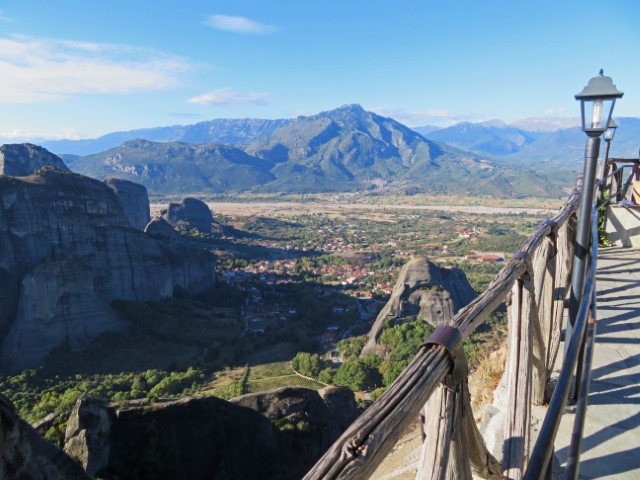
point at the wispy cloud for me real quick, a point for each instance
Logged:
(240, 25)
(439, 117)
(555, 111)
(227, 96)
(26, 136)
(4, 18)
(40, 69)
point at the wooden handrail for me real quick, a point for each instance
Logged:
(534, 283)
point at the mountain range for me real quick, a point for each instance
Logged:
(345, 149)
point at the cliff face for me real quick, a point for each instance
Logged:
(66, 251)
(310, 420)
(24, 455)
(271, 435)
(422, 289)
(133, 199)
(18, 160)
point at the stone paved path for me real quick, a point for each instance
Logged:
(611, 445)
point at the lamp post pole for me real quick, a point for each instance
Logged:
(597, 100)
(608, 136)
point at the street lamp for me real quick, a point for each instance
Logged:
(596, 105)
(611, 131)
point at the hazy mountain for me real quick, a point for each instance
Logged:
(340, 150)
(492, 138)
(424, 130)
(564, 149)
(228, 131)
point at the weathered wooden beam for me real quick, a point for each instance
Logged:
(517, 426)
(565, 245)
(437, 428)
(544, 287)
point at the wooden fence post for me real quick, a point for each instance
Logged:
(518, 424)
(544, 288)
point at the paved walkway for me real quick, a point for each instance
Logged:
(611, 445)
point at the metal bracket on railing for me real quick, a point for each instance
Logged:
(553, 224)
(520, 255)
(451, 339)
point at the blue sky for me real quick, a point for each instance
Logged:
(84, 68)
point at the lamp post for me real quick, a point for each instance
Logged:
(608, 136)
(597, 100)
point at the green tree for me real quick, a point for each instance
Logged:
(307, 364)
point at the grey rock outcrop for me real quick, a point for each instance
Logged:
(87, 433)
(190, 214)
(24, 455)
(22, 159)
(133, 199)
(422, 289)
(66, 251)
(190, 439)
(159, 228)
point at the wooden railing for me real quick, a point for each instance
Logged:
(434, 386)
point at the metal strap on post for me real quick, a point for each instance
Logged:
(450, 338)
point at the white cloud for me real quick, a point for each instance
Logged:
(555, 111)
(39, 69)
(546, 124)
(27, 136)
(439, 117)
(239, 25)
(227, 96)
(5, 19)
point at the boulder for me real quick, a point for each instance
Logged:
(190, 214)
(67, 250)
(159, 229)
(422, 289)
(22, 159)
(133, 199)
(25, 455)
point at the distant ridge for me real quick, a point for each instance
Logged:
(346, 149)
(222, 130)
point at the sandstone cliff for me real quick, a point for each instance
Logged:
(206, 437)
(19, 160)
(24, 455)
(66, 251)
(133, 199)
(426, 290)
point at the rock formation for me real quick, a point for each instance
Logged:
(133, 199)
(22, 159)
(310, 420)
(426, 290)
(190, 214)
(271, 435)
(66, 251)
(159, 228)
(24, 455)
